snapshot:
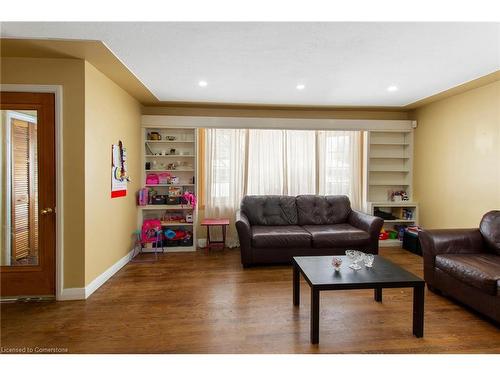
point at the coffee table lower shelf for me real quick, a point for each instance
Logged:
(399, 278)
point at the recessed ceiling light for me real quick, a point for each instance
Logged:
(392, 88)
(300, 87)
(202, 83)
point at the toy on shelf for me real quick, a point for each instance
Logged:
(170, 234)
(180, 237)
(407, 214)
(190, 198)
(398, 196)
(164, 178)
(159, 199)
(172, 218)
(154, 136)
(174, 191)
(152, 179)
(143, 197)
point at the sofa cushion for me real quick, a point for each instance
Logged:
(479, 270)
(490, 229)
(270, 209)
(281, 236)
(322, 210)
(337, 235)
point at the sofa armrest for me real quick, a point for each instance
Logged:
(447, 241)
(451, 241)
(368, 223)
(244, 230)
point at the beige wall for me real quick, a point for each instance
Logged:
(457, 158)
(96, 113)
(111, 114)
(70, 74)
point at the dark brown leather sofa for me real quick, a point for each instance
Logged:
(273, 229)
(465, 264)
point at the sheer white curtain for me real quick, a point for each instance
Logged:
(266, 162)
(281, 162)
(339, 164)
(300, 162)
(225, 153)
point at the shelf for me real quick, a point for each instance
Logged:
(170, 249)
(175, 224)
(388, 184)
(174, 154)
(151, 141)
(169, 156)
(390, 143)
(399, 221)
(390, 170)
(393, 204)
(389, 243)
(170, 170)
(165, 185)
(174, 207)
(389, 157)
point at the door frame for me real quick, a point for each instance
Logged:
(57, 90)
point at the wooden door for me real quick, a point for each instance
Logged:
(28, 170)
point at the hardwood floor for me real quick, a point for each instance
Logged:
(199, 303)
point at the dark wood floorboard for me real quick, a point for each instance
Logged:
(199, 303)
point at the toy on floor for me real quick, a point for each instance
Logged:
(383, 234)
(150, 233)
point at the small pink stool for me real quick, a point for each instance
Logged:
(213, 223)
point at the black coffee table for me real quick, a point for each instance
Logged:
(320, 275)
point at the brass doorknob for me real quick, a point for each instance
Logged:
(46, 211)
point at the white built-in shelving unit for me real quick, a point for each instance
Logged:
(177, 156)
(388, 166)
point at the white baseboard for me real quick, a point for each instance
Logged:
(106, 275)
(84, 293)
(71, 294)
(175, 249)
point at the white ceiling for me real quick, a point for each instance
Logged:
(341, 64)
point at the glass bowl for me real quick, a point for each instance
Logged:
(355, 256)
(368, 260)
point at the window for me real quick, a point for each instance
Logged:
(282, 162)
(285, 162)
(225, 164)
(338, 163)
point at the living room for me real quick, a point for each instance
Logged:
(287, 188)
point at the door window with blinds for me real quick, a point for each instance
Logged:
(19, 181)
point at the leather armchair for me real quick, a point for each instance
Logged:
(465, 264)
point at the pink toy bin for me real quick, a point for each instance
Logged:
(152, 179)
